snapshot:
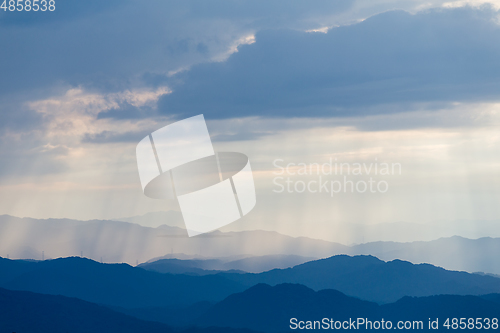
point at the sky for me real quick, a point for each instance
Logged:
(410, 84)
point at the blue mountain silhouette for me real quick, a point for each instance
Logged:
(28, 312)
(375, 280)
(112, 284)
(121, 285)
(256, 264)
(270, 309)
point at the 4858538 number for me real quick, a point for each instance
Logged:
(471, 323)
(28, 5)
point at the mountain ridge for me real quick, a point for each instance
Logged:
(364, 277)
(112, 241)
(275, 306)
(372, 279)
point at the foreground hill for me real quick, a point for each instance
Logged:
(24, 311)
(270, 309)
(267, 308)
(28, 312)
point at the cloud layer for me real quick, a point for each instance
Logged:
(385, 64)
(82, 85)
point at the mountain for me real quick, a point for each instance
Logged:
(353, 233)
(11, 269)
(270, 309)
(121, 285)
(24, 311)
(375, 280)
(176, 316)
(113, 284)
(455, 253)
(110, 241)
(451, 306)
(211, 266)
(114, 241)
(29, 312)
(267, 308)
(191, 267)
(260, 264)
(349, 233)
(492, 297)
(155, 219)
(260, 307)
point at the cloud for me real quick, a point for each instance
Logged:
(114, 137)
(387, 63)
(110, 46)
(80, 87)
(120, 45)
(27, 155)
(51, 135)
(125, 45)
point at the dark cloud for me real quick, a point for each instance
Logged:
(394, 59)
(108, 45)
(267, 14)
